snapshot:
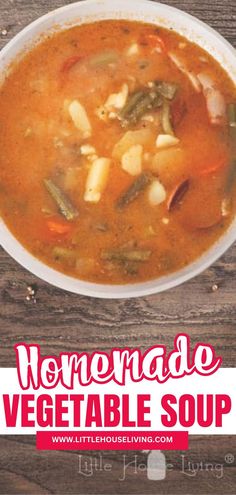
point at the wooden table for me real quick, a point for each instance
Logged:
(60, 321)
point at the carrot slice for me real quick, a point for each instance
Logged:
(58, 227)
(155, 41)
(70, 62)
(213, 168)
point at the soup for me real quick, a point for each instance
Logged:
(118, 152)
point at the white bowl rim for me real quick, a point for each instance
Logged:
(112, 291)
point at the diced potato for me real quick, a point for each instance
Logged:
(156, 193)
(97, 180)
(148, 118)
(169, 158)
(132, 50)
(166, 140)
(169, 164)
(87, 149)
(112, 115)
(80, 118)
(117, 100)
(132, 160)
(165, 220)
(142, 136)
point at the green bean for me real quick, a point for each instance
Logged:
(124, 255)
(142, 107)
(66, 208)
(166, 89)
(145, 100)
(64, 255)
(138, 104)
(132, 101)
(134, 190)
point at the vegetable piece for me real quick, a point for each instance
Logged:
(103, 58)
(97, 179)
(212, 168)
(70, 62)
(166, 89)
(58, 227)
(65, 206)
(166, 119)
(169, 164)
(131, 103)
(117, 100)
(134, 190)
(132, 160)
(156, 193)
(166, 140)
(64, 255)
(80, 118)
(143, 137)
(226, 206)
(193, 79)
(122, 255)
(231, 113)
(177, 195)
(215, 101)
(138, 104)
(87, 149)
(133, 49)
(155, 41)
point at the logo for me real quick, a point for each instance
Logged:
(153, 465)
(156, 465)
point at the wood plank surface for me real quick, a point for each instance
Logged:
(60, 321)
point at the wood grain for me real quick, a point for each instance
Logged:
(62, 321)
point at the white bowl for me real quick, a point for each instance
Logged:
(140, 10)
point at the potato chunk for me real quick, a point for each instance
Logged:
(166, 140)
(97, 180)
(156, 193)
(144, 137)
(132, 160)
(80, 118)
(117, 100)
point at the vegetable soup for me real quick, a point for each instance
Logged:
(118, 151)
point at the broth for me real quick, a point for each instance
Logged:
(118, 153)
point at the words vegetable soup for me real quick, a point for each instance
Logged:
(118, 151)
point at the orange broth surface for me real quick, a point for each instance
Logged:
(39, 141)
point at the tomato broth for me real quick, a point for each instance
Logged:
(118, 152)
